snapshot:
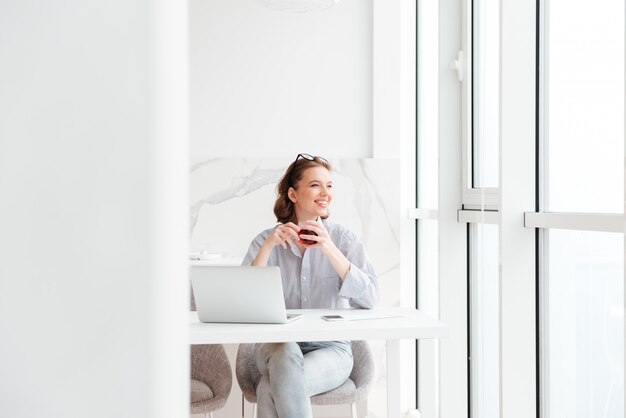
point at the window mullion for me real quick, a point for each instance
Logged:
(518, 334)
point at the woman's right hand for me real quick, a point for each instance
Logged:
(283, 234)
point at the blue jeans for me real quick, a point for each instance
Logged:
(293, 372)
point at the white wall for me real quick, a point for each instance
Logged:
(272, 84)
(93, 209)
(338, 83)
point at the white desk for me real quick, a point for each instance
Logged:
(411, 324)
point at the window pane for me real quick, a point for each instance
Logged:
(486, 92)
(484, 314)
(584, 317)
(585, 106)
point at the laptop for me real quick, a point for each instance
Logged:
(250, 295)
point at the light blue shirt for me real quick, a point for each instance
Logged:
(311, 282)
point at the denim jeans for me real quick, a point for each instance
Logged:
(293, 372)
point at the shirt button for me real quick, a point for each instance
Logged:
(305, 299)
(303, 277)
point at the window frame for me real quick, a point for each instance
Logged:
(517, 208)
(505, 206)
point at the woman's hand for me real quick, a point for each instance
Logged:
(322, 241)
(282, 235)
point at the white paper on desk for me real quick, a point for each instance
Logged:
(365, 317)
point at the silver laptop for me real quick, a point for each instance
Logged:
(239, 294)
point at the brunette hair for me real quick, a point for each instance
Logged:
(284, 208)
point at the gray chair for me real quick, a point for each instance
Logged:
(211, 377)
(355, 389)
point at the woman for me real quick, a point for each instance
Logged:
(325, 267)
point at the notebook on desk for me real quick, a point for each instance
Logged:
(251, 295)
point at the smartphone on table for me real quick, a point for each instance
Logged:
(333, 318)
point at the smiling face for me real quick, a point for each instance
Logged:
(312, 194)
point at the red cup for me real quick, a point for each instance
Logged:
(307, 232)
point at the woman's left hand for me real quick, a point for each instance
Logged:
(322, 239)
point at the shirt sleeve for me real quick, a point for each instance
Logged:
(361, 283)
(253, 250)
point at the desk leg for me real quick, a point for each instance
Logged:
(393, 379)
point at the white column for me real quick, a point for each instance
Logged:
(408, 187)
(393, 126)
(427, 186)
(93, 209)
(517, 243)
(386, 76)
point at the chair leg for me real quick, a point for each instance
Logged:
(243, 407)
(353, 412)
(208, 415)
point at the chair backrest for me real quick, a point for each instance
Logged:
(210, 365)
(363, 369)
(248, 375)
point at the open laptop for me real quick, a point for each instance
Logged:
(240, 294)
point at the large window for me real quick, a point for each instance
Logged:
(582, 276)
(539, 164)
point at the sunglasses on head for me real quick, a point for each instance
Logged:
(307, 157)
(310, 157)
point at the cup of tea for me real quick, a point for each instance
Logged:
(304, 231)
